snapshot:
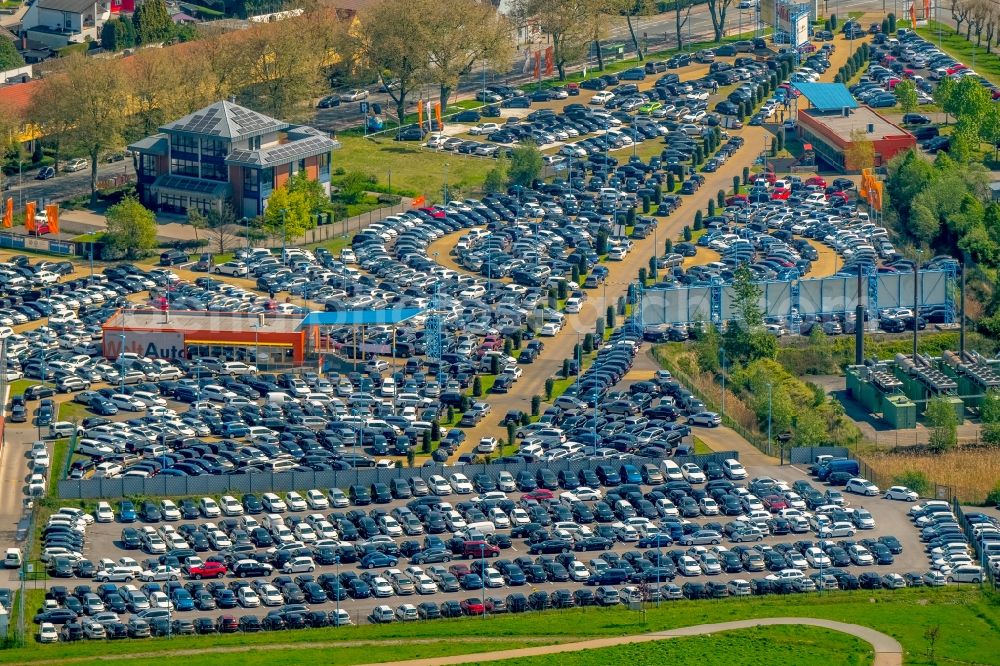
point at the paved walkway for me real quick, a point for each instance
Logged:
(888, 651)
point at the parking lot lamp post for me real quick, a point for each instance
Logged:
(121, 360)
(284, 234)
(338, 592)
(445, 190)
(246, 222)
(634, 132)
(482, 573)
(769, 387)
(722, 350)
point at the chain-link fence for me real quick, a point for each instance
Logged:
(990, 576)
(180, 486)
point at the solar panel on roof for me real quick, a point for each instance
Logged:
(827, 96)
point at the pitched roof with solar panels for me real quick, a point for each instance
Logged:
(226, 120)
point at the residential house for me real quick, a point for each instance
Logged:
(59, 23)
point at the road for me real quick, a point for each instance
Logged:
(560, 347)
(659, 29)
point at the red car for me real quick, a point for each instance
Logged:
(780, 194)
(774, 503)
(433, 211)
(473, 606)
(207, 570)
(459, 570)
(816, 180)
(738, 200)
(538, 495)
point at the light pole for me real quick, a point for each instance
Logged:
(445, 191)
(246, 222)
(722, 350)
(769, 387)
(284, 234)
(121, 361)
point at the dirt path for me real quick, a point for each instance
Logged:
(888, 651)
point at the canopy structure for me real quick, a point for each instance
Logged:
(360, 317)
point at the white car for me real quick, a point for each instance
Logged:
(47, 633)
(299, 565)
(233, 268)
(708, 419)
(602, 97)
(209, 508)
(901, 493)
(790, 575)
(860, 555)
(550, 329)
(338, 499)
(505, 482)
(295, 501)
(840, 529)
(461, 484)
(817, 558)
(587, 494)
(439, 485)
(273, 504)
(169, 510)
(248, 598)
(317, 500)
(692, 473)
(231, 506)
(861, 486)
(104, 513)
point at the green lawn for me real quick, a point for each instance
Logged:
(413, 168)
(700, 446)
(762, 646)
(986, 64)
(60, 449)
(18, 385)
(70, 410)
(968, 619)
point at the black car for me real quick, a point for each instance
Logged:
(915, 119)
(413, 133)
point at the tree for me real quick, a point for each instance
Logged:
(9, 57)
(810, 429)
(630, 9)
(860, 154)
(154, 87)
(152, 22)
(496, 178)
(82, 103)
(384, 45)
(460, 34)
(526, 165)
(906, 95)
(118, 34)
(943, 423)
(291, 207)
(477, 386)
(222, 228)
(197, 221)
(989, 409)
(682, 12)
(914, 480)
(568, 24)
(131, 229)
(746, 338)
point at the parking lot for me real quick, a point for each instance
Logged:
(623, 556)
(528, 273)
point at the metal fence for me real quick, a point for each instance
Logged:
(990, 576)
(179, 486)
(806, 455)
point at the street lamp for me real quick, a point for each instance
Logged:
(769, 387)
(284, 234)
(246, 222)
(722, 350)
(445, 191)
(121, 361)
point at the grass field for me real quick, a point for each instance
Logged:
(969, 620)
(972, 473)
(413, 168)
(987, 64)
(763, 646)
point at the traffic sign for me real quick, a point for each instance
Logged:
(364, 108)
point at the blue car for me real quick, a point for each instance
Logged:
(373, 560)
(126, 512)
(182, 599)
(235, 429)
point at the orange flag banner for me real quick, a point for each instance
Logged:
(29, 216)
(420, 113)
(437, 114)
(8, 215)
(52, 213)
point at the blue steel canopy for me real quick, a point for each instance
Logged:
(360, 317)
(827, 96)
